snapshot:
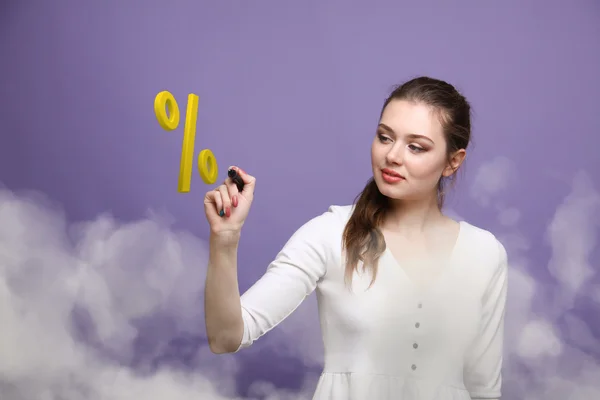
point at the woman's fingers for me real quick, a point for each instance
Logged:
(232, 191)
(225, 201)
(216, 198)
(249, 182)
(226, 197)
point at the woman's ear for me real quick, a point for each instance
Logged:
(454, 163)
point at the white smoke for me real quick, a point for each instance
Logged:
(491, 179)
(552, 351)
(75, 300)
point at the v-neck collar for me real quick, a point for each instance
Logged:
(446, 268)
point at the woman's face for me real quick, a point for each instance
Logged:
(409, 152)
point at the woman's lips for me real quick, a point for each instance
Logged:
(391, 176)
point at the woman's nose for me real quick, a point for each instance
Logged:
(395, 155)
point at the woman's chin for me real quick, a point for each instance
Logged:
(390, 191)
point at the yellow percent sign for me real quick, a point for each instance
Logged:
(207, 163)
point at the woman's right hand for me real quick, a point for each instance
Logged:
(226, 209)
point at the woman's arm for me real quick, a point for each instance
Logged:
(235, 322)
(224, 325)
(291, 277)
(226, 209)
(483, 367)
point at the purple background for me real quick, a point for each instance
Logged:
(291, 92)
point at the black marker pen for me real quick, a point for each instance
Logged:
(236, 178)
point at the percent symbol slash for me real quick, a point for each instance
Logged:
(207, 163)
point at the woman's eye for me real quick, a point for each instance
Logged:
(383, 139)
(416, 149)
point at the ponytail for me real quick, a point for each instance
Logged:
(362, 238)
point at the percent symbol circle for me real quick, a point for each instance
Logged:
(207, 163)
(162, 102)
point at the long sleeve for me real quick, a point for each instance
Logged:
(289, 279)
(482, 374)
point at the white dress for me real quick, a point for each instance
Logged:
(393, 341)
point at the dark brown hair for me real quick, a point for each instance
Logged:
(362, 239)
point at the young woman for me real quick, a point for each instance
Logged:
(411, 302)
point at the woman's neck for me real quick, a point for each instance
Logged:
(413, 216)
